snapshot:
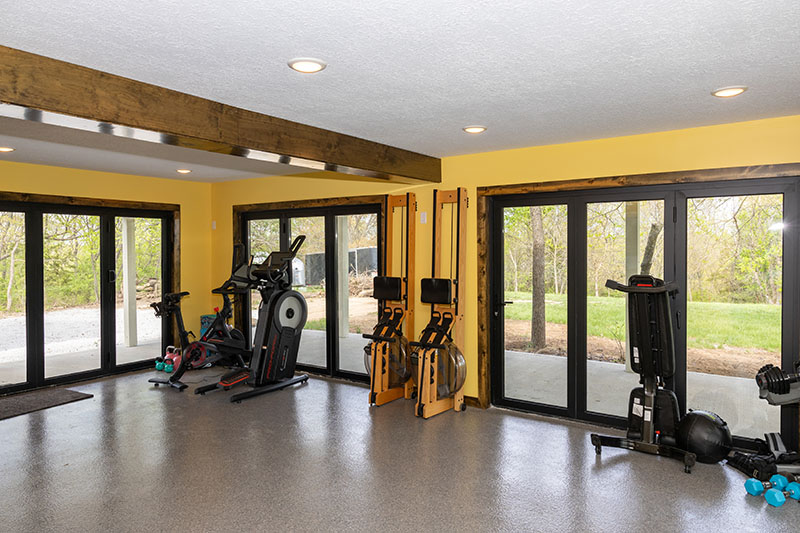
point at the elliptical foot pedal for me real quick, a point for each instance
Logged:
(229, 381)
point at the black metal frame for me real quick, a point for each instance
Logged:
(675, 197)
(329, 213)
(34, 286)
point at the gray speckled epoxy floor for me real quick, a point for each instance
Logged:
(136, 458)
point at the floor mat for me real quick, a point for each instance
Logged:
(20, 404)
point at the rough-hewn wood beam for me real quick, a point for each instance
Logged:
(46, 84)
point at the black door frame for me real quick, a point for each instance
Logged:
(675, 200)
(332, 356)
(34, 286)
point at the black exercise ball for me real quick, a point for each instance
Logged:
(706, 435)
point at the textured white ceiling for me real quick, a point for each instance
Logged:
(411, 74)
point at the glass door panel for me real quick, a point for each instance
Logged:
(734, 296)
(138, 284)
(264, 238)
(535, 324)
(356, 265)
(310, 281)
(623, 239)
(13, 343)
(72, 280)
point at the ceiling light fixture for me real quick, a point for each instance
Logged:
(307, 65)
(474, 129)
(729, 92)
(183, 171)
(6, 149)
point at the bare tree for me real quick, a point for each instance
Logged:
(538, 332)
(650, 247)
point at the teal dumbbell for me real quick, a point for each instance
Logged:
(777, 497)
(159, 363)
(168, 367)
(757, 488)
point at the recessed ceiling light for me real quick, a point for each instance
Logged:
(6, 149)
(475, 129)
(183, 171)
(307, 65)
(729, 92)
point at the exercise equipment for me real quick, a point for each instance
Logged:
(777, 497)
(441, 368)
(387, 357)
(706, 435)
(282, 315)
(221, 343)
(653, 411)
(777, 387)
(756, 487)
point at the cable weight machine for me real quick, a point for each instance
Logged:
(441, 369)
(387, 356)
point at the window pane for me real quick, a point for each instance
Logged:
(71, 293)
(734, 275)
(535, 241)
(357, 264)
(309, 280)
(13, 343)
(265, 238)
(623, 239)
(138, 260)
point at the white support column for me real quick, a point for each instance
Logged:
(129, 281)
(631, 263)
(343, 274)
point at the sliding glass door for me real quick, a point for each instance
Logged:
(77, 285)
(559, 336)
(734, 293)
(333, 270)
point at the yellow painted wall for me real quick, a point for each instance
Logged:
(194, 199)
(769, 141)
(206, 253)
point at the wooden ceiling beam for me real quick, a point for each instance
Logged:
(41, 83)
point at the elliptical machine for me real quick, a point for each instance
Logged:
(282, 315)
(220, 344)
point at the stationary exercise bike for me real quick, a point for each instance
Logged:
(282, 314)
(221, 344)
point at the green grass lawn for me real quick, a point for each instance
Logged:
(711, 325)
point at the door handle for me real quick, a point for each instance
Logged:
(112, 276)
(678, 319)
(503, 304)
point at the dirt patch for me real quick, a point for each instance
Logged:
(728, 361)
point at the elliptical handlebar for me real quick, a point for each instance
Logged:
(277, 264)
(671, 287)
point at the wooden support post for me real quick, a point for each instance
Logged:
(129, 281)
